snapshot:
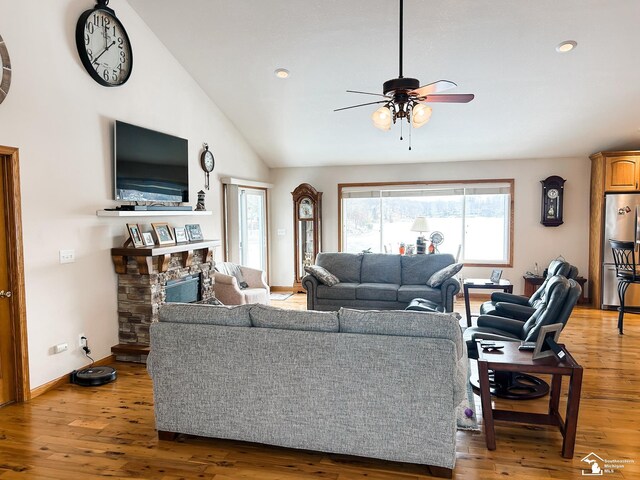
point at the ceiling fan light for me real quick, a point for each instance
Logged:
(420, 115)
(382, 118)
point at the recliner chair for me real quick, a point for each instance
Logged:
(520, 307)
(560, 296)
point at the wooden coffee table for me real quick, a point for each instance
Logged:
(484, 284)
(511, 359)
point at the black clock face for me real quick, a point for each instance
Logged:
(104, 47)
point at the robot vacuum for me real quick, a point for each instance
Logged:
(93, 376)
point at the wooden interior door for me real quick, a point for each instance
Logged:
(14, 358)
(7, 348)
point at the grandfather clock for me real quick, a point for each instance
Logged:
(307, 233)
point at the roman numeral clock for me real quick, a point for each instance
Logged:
(104, 46)
(552, 201)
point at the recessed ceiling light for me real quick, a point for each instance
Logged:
(566, 46)
(282, 73)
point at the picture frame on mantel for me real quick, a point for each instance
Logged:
(148, 239)
(163, 234)
(135, 235)
(194, 232)
(180, 234)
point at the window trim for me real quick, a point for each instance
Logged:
(510, 181)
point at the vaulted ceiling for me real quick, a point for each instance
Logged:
(531, 102)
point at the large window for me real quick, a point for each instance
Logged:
(474, 217)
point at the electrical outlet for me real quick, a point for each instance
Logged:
(281, 232)
(82, 340)
(61, 347)
(67, 256)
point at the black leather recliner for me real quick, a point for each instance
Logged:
(560, 296)
(520, 307)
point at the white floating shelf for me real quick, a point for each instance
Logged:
(152, 213)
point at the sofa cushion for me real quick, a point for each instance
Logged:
(341, 291)
(380, 268)
(345, 266)
(402, 323)
(444, 274)
(232, 269)
(264, 316)
(377, 291)
(417, 269)
(406, 293)
(237, 316)
(322, 274)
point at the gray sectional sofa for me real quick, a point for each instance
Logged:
(369, 383)
(379, 281)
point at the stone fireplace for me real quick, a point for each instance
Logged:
(143, 277)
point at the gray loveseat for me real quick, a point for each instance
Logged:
(379, 281)
(375, 384)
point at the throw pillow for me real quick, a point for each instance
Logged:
(444, 274)
(322, 274)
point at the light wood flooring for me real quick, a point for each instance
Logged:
(87, 433)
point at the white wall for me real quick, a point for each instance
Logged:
(61, 120)
(532, 242)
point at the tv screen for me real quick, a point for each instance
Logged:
(149, 166)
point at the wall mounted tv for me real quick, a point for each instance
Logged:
(149, 166)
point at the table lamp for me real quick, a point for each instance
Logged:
(420, 225)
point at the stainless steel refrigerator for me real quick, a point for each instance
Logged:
(619, 224)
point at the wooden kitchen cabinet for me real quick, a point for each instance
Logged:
(610, 172)
(622, 173)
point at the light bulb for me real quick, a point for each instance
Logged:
(420, 114)
(382, 118)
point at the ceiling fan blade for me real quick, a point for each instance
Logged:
(435, 87)
(367, 93)
(448, 98)
(361, 105)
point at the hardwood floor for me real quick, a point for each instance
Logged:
(88, 433)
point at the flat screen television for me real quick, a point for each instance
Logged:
(149, 166)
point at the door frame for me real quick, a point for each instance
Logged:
(11, 183)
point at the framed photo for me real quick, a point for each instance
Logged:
(163, 233)
(180, 234)
(135, 235)
(148, 239)
(194, 232)
(495, 275)
(543, 350)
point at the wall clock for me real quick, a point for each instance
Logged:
(207, 162)
(104, 46)
(5, 70)
(552, 201)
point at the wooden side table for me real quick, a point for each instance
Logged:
(483, 284)
(532, 282)
(513, 360)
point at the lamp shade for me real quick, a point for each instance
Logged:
(420, 224)
(420, 115)
(382, 118)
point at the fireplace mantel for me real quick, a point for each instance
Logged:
(156, 258)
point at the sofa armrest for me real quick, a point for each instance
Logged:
(513, 310)
(509, 298)
(310, 284)
(500, 323)
(254, 277)
(449, 288)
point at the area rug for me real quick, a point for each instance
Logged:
(279, 296)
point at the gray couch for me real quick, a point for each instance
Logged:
(367, 383)
(379, 281)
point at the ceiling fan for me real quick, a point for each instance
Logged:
(405, 98)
